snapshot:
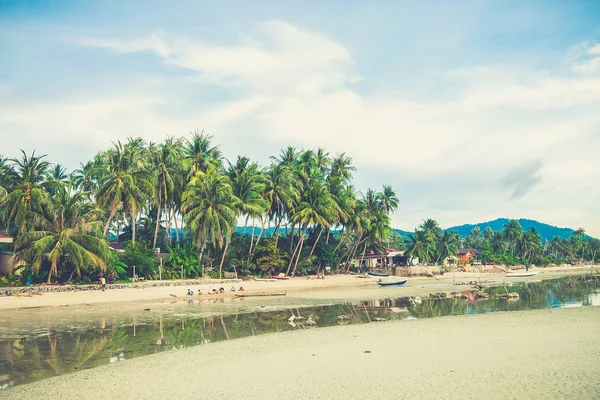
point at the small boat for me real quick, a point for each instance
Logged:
(280, 277)
(375, 274)
(399, 283)
(259, 294)
(264, 280)
(518, 274)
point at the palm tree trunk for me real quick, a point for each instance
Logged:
(110, 217)
(168, 225)
(133, 228)
(316, 241)
(223, 259)
(52, 269)
(328, 234)
(276, 233)
(157, 216)
(251, 241)
(201, 254)
(299, 253)
(262, 229)
(291, 238)
(292, 259)
(176, 227)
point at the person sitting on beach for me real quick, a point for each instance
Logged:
(221, 290)
(190, 292)
(241, 289)
(111, 278)
(213, 291)
(233, 288)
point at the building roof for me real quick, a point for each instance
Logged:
(114, 246)
(4, 238)
(462, 252)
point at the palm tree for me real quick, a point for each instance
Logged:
(388, 200)
(280, 193)
(448, 245)
(418, 246)
(579, 234)
(316, 208)
(513, 232)
(341, 166)
(248, 186)
(67, 234)
(127, 182)
(165, 161)
(200, 155)
(209, 210)
(26, 199)
(498, 243)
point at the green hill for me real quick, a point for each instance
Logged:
(546, 231)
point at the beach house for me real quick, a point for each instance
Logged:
(465, 256)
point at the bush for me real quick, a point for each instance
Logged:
(141, 255)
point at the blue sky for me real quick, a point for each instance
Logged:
(471, 110)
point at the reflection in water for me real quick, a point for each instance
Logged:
(33, 354)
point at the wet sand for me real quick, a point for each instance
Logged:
(332, 287)
(539, 354)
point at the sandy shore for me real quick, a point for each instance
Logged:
(542, 354)
(333, 287)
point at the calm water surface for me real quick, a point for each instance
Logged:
(37, 350)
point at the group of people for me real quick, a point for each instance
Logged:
(220, 290)
(111, 279)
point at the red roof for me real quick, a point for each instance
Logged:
(5, 236)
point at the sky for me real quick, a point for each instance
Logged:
(471, 111)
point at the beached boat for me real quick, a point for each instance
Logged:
(280, 277)
(259, 294)
(518, 274)
(399, 283)
(375, 274)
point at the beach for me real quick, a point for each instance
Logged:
(538, 354)
(332, 287)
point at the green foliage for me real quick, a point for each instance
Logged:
(186, 256)
(269, 258)
(141, 255)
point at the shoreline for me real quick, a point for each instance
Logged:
(548, 353)
(332, 287)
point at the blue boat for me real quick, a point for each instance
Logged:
(399, 283)
(374, 274)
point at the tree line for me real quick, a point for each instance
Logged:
(137, 191)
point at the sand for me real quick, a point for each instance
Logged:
(332, 287)
(539, 354)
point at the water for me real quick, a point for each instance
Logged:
(39, 350)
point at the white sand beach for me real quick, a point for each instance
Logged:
(334, 287)
(542, 354)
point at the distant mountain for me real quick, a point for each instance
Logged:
(546, 231)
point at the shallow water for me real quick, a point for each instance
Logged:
(38, 349)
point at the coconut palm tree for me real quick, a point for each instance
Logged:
(418, 246)
(127, 183)
(248, 186)
(67, 234)
(209, 208)
(513, 232)
(388, 200)
(26, 199)
(316, 208)
(165, 161)
(448, 245)
(200, 154)
(280, 193)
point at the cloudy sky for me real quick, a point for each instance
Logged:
(470, 110)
